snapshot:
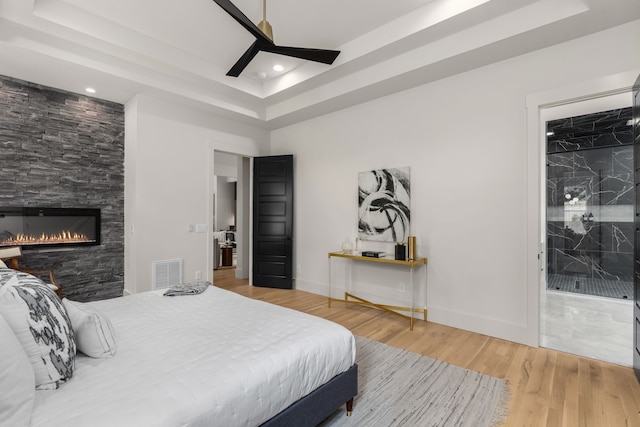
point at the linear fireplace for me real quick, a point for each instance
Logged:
(34, 228)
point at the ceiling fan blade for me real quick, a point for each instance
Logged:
(244, 60)
(318, 55)
(264, 43)
(242, 19)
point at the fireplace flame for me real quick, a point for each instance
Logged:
(45, 239)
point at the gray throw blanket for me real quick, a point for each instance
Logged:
(187, 289)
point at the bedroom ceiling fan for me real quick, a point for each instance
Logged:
(264, 41)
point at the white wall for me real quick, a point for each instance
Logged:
(169, 184)
(465, 139)
(243, 204)
(225, 203)
(226, 168)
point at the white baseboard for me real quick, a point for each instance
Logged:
(492, 327)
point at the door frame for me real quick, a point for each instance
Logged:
(536, 103)
(248, 153)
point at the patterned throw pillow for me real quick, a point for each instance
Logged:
(5, 274)
(41, 324)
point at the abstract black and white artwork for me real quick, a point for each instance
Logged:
(384, 198)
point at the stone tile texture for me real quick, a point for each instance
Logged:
(65, 150)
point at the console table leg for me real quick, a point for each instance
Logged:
(413, 304)
(390, 308)
(330, 282)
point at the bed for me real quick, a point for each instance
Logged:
(211, 359)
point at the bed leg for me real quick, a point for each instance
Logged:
(349, 407)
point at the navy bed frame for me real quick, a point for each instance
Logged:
(312, 409)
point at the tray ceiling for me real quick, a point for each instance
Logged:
(180, 51)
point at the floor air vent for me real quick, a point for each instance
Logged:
(166, 273)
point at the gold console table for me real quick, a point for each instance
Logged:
(389, 308)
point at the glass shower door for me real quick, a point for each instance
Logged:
(590, 204)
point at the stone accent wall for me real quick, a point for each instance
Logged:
(61, 149)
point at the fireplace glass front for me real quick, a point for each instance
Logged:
(46, 227)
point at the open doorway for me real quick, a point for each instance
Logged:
(587, 229)
(230, 214)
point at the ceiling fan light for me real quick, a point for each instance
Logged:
(265, 27)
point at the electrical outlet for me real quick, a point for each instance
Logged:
(401, 287)
(198, 275)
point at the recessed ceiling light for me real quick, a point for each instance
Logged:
(278, 67)
(90, 90)
(262, 75)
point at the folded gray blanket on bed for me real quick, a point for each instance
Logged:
(194, 288)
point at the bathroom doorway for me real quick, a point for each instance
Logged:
(586, 303)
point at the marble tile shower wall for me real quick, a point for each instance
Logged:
(591, 158)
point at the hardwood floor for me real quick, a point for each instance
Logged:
(547, 387)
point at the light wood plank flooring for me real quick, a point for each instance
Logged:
(548, 387)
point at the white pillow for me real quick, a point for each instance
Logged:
(40, 322)
(2, 264)
(93, 331)
(17, 379)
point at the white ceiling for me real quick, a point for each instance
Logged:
(181, 50)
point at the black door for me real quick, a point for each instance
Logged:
(636, 292)
(273, 222)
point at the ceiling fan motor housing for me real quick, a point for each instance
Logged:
(265, 27)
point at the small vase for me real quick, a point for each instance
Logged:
(347, 246)
(411, 248)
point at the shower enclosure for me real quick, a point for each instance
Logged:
(590, 230)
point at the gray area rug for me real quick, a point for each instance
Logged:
(401, 388)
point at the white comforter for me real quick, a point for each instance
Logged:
(214, 359)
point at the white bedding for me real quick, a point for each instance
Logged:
(214, 359)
